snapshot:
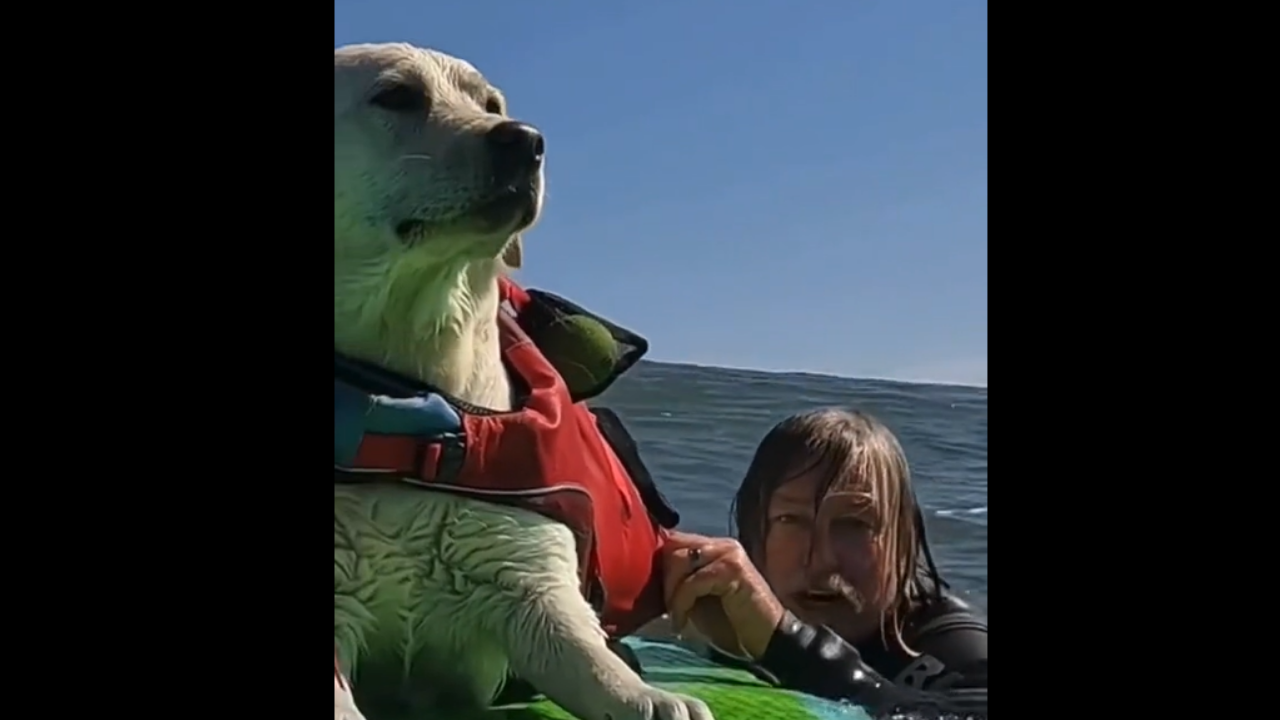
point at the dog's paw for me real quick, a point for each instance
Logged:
(654, 704)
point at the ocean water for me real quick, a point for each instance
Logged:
(698, 427)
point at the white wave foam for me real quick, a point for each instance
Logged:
(962, 511)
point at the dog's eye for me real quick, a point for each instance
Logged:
(400, 98)
(493, 106)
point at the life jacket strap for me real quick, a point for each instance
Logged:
(512, 294)
(428, 460)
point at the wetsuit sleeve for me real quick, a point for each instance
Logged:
(820, 662)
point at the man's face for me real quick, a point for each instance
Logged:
(811, 550)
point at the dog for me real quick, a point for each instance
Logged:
(433, 184)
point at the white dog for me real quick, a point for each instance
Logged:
(432, 183)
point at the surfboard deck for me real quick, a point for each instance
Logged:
(731, 693)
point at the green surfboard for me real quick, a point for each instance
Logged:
(732, 694)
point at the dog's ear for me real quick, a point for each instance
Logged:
(513, 256)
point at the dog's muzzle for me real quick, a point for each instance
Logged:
(516, 150)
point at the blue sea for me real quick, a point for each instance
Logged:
(698, 427)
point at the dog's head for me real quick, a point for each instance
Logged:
(426, 160)
(431, 176)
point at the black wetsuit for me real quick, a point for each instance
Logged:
(948, 677)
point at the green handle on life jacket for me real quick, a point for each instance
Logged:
(581, 349)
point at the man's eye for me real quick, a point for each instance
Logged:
(851, 525)
(788, 519)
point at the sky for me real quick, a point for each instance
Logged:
(791, 186)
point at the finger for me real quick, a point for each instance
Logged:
(690, 599)
(717, 579)
(677, 539)
(685, 541)
(680, 563)
(710, 548)
(723, 568)
(676, 566)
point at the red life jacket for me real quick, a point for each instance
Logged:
(555, 457)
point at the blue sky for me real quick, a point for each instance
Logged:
(766, 184)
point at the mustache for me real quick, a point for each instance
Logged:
(834, 584)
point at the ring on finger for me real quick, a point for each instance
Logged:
(695, 558)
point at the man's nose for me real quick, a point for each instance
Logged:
(822, 555)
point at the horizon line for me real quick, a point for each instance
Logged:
(821, 373)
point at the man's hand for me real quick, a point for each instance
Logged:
(711, 583)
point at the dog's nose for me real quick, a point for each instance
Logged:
(516, 148)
